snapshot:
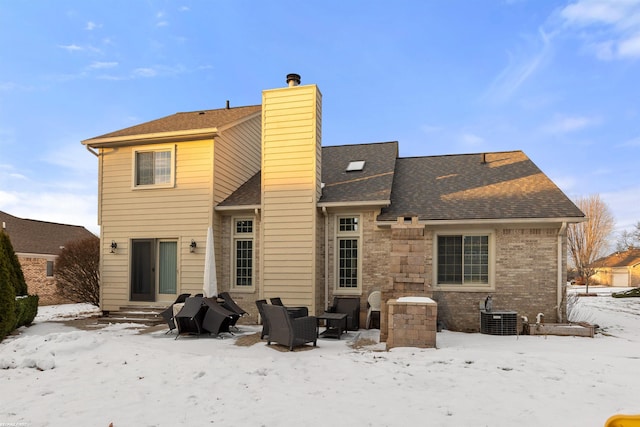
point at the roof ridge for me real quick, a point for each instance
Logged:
(466, 154)
(41, 221)
(217, 109)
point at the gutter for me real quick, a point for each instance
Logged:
(89, 149)
(560, 289)
(153, 138)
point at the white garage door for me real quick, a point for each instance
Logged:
(620, 279)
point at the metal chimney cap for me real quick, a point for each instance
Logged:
(293, 79)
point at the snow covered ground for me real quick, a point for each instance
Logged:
(56, 375)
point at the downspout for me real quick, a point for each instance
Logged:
(256, 212)
(326, 257)
(560, 290)
(91, 151)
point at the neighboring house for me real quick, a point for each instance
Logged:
(37, 245)
(304, 222)
(619, 269)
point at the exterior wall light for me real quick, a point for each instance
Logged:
(114, 246)
(193, 246)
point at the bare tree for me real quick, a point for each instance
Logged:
(629, 239)
(77, 270)
(588, 240)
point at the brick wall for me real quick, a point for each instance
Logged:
(35, 274)
(525, 278)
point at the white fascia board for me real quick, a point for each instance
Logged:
(488, 221)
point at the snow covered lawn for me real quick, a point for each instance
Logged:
(57, 375)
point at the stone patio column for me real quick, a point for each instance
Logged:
(407, 267)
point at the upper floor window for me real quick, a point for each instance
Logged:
(464, 260)
(154, 167)
(349, 253)
(243, 252)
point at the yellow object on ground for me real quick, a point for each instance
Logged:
(623, 421)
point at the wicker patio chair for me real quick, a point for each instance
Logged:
(293, 311)
(288, 331)
(189, 319)
(265, 324)
(217, 318)
(167, 313)
(276, 301)
(350, 306)
(231, 305)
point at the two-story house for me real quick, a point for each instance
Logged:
(305, 222)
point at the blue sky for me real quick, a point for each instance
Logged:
(556, 79)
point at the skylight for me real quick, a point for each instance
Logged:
(356, 165)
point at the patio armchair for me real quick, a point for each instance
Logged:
(189, 319)
(293, 311)
(265, 324)
(217, 319)
(288, 331)
(350, 306)
(167, 313)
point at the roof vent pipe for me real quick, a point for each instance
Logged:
(293, 79)
(484, 158)
(227, 104)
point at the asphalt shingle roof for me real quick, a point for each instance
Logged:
(40, 237)
(507, 185)
(193, 120)
(373, 183)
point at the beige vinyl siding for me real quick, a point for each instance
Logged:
(237, 157)
(181, 213)
(290, 190)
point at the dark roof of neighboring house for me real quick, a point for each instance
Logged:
(465, 187)
(371, 184)
(204, 119)
(626, 258)
(40, 237)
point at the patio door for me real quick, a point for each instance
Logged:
(154, 270)
(167, 270)
(143, 270)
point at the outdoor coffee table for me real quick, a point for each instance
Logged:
(336, 324)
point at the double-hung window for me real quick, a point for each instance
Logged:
(349, 251)
(464, 260)
(243, 253)
(154, 167)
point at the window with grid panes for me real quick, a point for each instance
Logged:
(243, 252)
(348, 242)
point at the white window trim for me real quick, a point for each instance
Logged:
(153, 148)
(491, 286)
(337, 290)
(243, 236)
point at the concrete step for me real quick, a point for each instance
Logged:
(146, 315)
